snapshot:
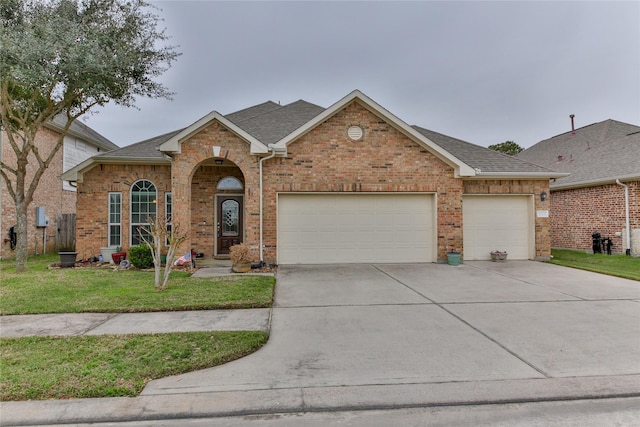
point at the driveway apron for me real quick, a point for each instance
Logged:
(393, 324)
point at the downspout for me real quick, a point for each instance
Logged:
(270, 156)
(626, 211)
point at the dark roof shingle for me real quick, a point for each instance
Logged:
(484, 159)
(599, 152)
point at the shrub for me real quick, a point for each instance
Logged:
(239, 253)
(140, 256)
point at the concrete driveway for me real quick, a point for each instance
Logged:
(482, 331)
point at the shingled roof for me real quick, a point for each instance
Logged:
(482, 159)
(82, 131)
(271, 123)
(594, 155)
(140, 151)
(276, 123)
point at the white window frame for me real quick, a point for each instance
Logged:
(168, 212)
(110, 235)
(133, 226)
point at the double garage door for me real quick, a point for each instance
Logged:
(396, 228)
(356, 228)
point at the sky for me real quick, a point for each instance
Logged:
(483, 72)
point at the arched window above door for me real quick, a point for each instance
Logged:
(230, 183)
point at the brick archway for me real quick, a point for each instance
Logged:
(195, 173)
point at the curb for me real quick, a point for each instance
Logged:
(315, 399)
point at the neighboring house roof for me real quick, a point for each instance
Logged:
(82, 131)
(594, 155)
(271, 124)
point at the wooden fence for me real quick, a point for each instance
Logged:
(66, 232)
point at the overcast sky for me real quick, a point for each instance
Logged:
(484, 72)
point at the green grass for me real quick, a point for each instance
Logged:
(75, 290)
(613, 265)
(115, 365)
(111, 365)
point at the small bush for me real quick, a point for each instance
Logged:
(140, 256)
(239, 253)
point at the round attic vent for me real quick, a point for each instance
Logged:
(355, 133)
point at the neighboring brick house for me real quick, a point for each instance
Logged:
(303, 184)
(604, 162)
(52, 194)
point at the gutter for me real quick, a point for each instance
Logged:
(592, 182)
(274, 150)
(626, 211)
(517, 175)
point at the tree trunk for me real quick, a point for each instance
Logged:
(21, 240)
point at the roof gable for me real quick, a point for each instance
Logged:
(460, 167)
(173, 144)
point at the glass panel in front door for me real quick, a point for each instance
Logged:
(230, 218)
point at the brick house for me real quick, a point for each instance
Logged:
(602, 190)
(53, 194)
(304, 184)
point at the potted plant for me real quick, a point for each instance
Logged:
(498, 256)
(118, 256)
(240, 258)
(453, 257)
(67, 251)
(68, 257)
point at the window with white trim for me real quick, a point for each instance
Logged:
(167, 214)
(115, 219)
(143, 205)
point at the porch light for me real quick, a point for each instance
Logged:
(219, 161)
(543, 196)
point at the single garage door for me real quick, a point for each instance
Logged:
(503, 223)
(355, 228)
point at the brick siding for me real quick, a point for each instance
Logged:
(577, 213)
(384, 160)
(93, 202)
(49, 195)
(323, 160)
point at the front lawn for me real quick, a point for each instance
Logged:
(75, 290)
(613, 265)
(111, 365)
(115, 365)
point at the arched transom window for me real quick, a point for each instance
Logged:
(143, 205)
(230, 183)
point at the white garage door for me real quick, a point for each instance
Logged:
(501, 223)
(355, 228)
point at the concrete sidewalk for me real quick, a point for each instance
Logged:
(134, 323)
(402, 336)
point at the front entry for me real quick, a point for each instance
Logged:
(229, 213)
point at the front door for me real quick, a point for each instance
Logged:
(229, 215)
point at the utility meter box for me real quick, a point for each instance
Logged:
(41, 219)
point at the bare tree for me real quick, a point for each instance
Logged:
(64, 58)
(159, 234)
